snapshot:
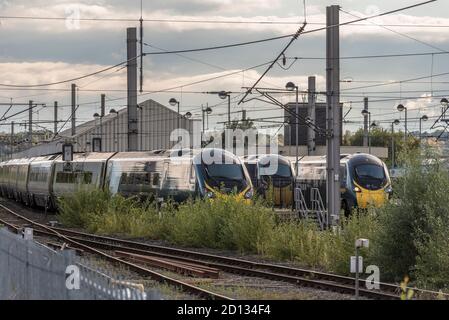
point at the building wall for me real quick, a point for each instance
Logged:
(156, 123)
(320, 121)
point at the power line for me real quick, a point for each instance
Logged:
(288, 35)
(192, 59)
(393, 55)
(396, 82)
(398, 33)
(205, 21)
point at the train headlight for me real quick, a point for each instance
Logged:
(389, 189)
(249, 194)
(210, 195)
(357, 189)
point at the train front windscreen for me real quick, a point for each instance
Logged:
(229, 176)
(370, 176)
(280, 177)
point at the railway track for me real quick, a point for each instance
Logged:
(298, 276)
(41, 229)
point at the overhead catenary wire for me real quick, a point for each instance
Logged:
(396, 32)
(302, 32)
(215, 21)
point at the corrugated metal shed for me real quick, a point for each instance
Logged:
(156, 122)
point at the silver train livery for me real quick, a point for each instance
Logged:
(159, 174)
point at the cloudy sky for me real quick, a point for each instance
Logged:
(36, 51)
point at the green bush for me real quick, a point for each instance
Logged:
(227, 223)
(99, 212)
(304, 243)
(412, 234)
(362, 224)
(298, 241)
(79, 209)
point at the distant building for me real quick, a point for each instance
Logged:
(289, 147)
(290, 128)
(156, 123)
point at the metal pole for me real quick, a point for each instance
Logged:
(229, 110)
(30, 122)
(365, 125)
(420, 130)
(356, 273)
(103, 105)
(73, 109)
(405, 132)
(132, 89)
(141, 51)
(297, 130)
(333, 114)
(207, 117)
(311, 115)
(56, 118)
(114, 135)
(202, 118)
(369, 132)
(179, 117)
(12, 138)
(392, 145)
(141, 129)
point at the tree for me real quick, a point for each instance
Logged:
(382, 138)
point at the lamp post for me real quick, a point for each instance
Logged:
(173, 102)
(141, 126)
(290, 86)
(402, 108)
(206, 111)
(371, 126)
(365, 114)
(223, 95)
(187, 116)
(98, 116)
(394, 123)
(423, 118)
(113, 111)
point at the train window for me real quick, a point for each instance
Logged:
(87, 178)
(370, 176)
(252, 170)
(343, 176)
(192, 174)
(370, 171)
(124, 178)
(60, 177)
(150, 166)
(73, 177)
(226, 171)
(156, 178)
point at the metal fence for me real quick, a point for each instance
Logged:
(32, 271)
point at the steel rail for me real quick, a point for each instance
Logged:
(136, 268)
(305, 277)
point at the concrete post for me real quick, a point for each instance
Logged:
(333, 114)
(132, 89)
(73, 117)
